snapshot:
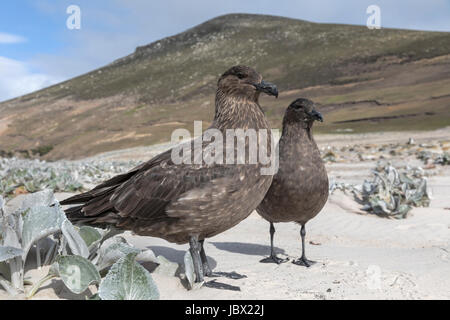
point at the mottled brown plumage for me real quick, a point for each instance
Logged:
(299, 190)
(187, 202)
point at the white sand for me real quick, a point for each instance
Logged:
(358, 257)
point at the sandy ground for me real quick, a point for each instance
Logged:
(358, 256)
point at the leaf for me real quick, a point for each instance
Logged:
(367, 187)
(90, 235)
(380, 206)
(11, 229)
(7, 286)
(128, 280)
(166, 267)
(392, 174)
(147, 256)
(189, 269)
(7, 253)
(9, 237)
(16, 267)
(74, 240)
(402, 211)
(4, 270)
(44, 198)
(2, 208)
(40, 222)
(112, 253)
(77, 273)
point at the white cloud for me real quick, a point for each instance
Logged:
(87, 51)
(17, 79)
(10, 38)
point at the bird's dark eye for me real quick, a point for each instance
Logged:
(240, 75)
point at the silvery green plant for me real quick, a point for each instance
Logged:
(391, 192)
(39, 217)
(132, 281)
(77, 255)
(126, 279)
(443, 159)
(67, 176)
(433, 152)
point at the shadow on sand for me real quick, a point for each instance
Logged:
(246, 248)
(177, 256)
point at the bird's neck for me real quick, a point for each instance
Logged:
(238, 112)
(299, 132)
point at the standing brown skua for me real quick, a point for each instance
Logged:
(299, 190)
(188, 202)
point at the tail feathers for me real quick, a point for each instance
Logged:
(103, 220)
(94, 207)
(79, 198)
(88, 196)
(98, 211)
(74, 213)
(101, 189)
(98, 205)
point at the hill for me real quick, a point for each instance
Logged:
(363, 80)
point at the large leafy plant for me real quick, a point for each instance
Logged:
(391, 192)
(77, 255)
(39, 217)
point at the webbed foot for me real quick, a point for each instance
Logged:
(303, 262)
(274, 259)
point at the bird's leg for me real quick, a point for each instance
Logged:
(273, 257)
(195, 253)
(206, 268)
(303, 261)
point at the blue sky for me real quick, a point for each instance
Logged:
(37, 49)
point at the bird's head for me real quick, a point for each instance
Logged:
(304, 111)
(243, 81)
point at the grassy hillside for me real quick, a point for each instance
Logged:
(363, 80)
